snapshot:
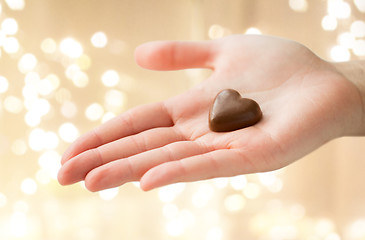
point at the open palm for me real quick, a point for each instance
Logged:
(304, 101)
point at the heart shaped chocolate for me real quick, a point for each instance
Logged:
(230, 112)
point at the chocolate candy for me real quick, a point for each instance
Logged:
(230, 112)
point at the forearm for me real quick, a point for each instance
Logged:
(354, 71)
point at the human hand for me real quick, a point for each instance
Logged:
(305, 102)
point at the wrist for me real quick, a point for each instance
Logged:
(354, 72)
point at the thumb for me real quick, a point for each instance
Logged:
(175, 55)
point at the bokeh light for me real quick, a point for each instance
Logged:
(94, 111)
(339, 9)
(359, 47)
(3, 200)
(234, 203)
(360, 4)
(329, 23)
(253, 31)
(215, 233)
(84, 62)
(71, 48)
(346, 40)
(69, 109)
(16, 5)
(29, 186)
(49, 46)
(298, 5)
(68, 132)
(9, 26)
(252, 191)
(115, 100)
(340, 53)
(49, 162)
(99, 39)
(13, 104)
(358, 28)
(27, 63)
(19, 147)
(11, 45)
(4, 84)
(356, 230)
(216, 31)
(108, 194)
(110, 78)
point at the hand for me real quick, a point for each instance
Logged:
(305, 103)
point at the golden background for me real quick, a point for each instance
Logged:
(66, 66)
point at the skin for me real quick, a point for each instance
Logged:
(305, 101)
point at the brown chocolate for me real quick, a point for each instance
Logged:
(230, 112)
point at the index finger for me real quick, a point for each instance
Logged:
(134, 121)
(175, 55)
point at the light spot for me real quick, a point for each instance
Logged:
(13, 104)
(238, 182)
(16, 5)
(9, 26)
(84, 62)
(27, 63)
(4, 84)
(69, 109)
(329, 23)
(18, 224)
(19, 147)
(175, 227)
(251, 191)
(99, 39)
(32, 119)
(168, 193)
(216, 31)
(110, 78)
(338, 9)
(50, 162)
(360, 4)
(202, 196)
(49, 46)
(80, 79)
(215, 233)
(234, 202)
(108, 194)
(71, 48)
(68, 132)
(253, 31)
(359, 48)
(358, 28)
(94, 111)
(11, 45)
(115, 100)
(346, 40)
(3, 200)
(340, 53)
(107, 116)
(298, 5)
(29, 186)
(36, 139)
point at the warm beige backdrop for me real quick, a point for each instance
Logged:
(322, 196)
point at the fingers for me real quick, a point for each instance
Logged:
(76, 168)
(129, 169)
(219, 163)
(131, 122)
(173, 55)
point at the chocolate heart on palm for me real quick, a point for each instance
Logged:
(230, 112)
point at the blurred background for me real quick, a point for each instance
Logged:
(67, 66)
